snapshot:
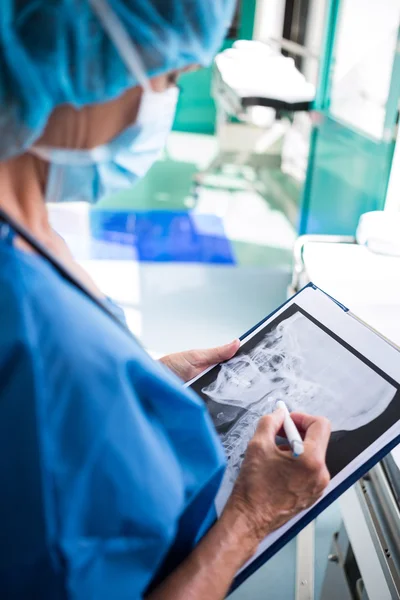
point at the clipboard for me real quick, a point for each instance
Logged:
(367, 356)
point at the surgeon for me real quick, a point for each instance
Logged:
(108, 466)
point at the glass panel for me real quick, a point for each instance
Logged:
(347, 176)
(364, 52)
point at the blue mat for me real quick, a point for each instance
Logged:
(161, 236)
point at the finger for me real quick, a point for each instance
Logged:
(213, 356)
(317, 432)
(269, 425)
(310, 424)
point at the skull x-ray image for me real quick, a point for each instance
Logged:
(296, 359)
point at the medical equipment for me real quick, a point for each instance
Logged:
(251, 82)
(255, 74)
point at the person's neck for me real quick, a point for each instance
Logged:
(22, 181)
(21, 195)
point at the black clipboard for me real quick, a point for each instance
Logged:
(335, 493)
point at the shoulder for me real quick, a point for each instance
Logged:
(15, 310)
(51, 314)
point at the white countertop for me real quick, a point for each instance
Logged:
(366, 283)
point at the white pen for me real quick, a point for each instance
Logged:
(291, 431)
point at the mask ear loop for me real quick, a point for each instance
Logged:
(120, 38)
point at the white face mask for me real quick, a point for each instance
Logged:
(93, 174)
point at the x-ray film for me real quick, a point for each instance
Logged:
(320, 359)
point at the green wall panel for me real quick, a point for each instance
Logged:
(348, 171)
(347, 176)
(196, 109)
(247, 15)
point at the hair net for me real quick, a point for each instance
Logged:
(56, 51)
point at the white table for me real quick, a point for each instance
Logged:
(369, 285)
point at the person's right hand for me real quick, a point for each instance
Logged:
(272, 486)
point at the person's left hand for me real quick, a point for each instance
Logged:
(191, 363)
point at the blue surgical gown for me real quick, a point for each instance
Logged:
(108, 466)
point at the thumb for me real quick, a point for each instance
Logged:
(221, 353)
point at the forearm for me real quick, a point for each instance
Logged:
(208, 572)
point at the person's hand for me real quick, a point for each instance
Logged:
(272, 486)
(193, 362)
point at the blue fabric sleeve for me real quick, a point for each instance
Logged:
(119, 463)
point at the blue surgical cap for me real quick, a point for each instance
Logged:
(56, 51)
